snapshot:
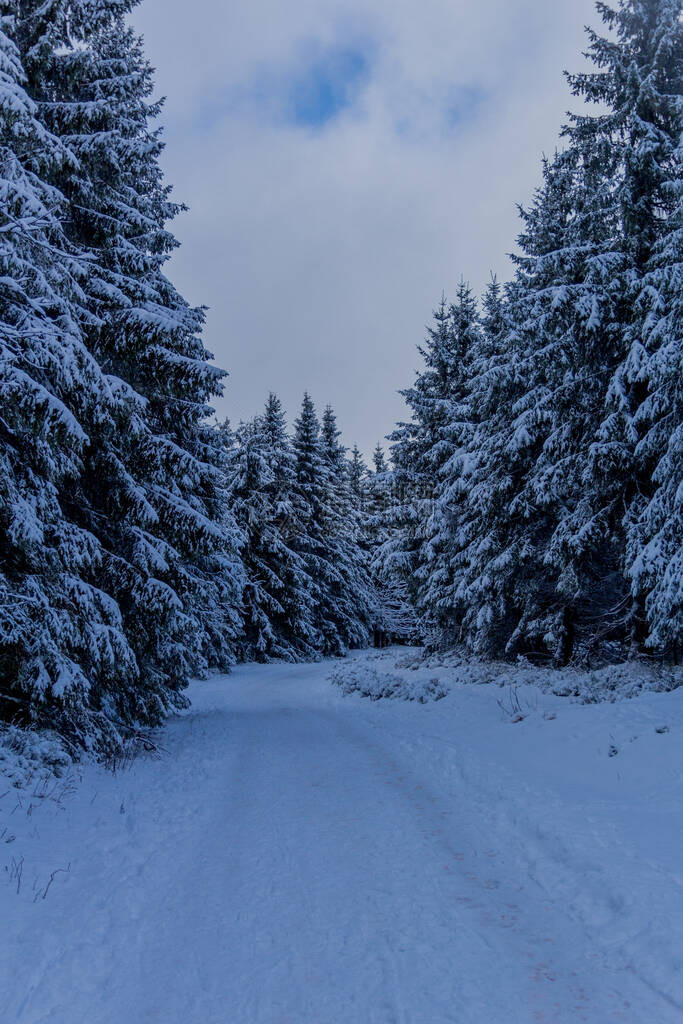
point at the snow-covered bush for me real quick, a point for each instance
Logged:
(379, 683)
(610, 683)
(416, 675)
(26, 755)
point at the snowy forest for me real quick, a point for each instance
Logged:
(530, 505)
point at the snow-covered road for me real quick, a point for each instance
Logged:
(300, 857)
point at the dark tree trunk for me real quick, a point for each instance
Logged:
(565, 648)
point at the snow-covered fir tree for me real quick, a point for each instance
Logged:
(378, 500)
(424, 459)
(307, 585)
(556, 530)
(250, 480)
(357, 471)
(327, 539)
(631, 152)
(640, 81)
(379, 460)
(277, 600)
(148, 493)
(449, 464)
(288, 512)
(412, 477)
(393, 616)
(61, 637)
(482, 486)
(655, 551)
(351, 597)
(537, 565)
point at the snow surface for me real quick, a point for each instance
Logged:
(298, 855)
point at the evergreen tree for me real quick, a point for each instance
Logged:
(655, 552)
(634, 145)
(378, 501)
(357, 472)
(312, 488)
(379, 460)
(277, 601)
(251, 476)
(413, 445)
(340, 600)
(543, 561)
(354, 594)
(392, 616)
(427, 456)
(61, 637)
(150, 487)
(288, 513)
(642, 83)
(577, 426)
(481, 578)
(449, 461)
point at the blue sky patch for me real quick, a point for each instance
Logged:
(328, 84)
(312, 89)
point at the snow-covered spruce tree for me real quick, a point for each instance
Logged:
(631, 155)
(289, 510)
(422, 450)
(377, 501)
(576, 477)
(222, 615)
(60, 636)
(357, 471)
(378, 508)
(250, 476)
(640, 80)
(449, 461)
(655, 553)
(353, 594)
(278, 603)
(541, 564)
(482, 582)
(150, 490)
(379, 460)
(319, 538)
(413, 482)
(312, 481)
(376, 504)
(367, 508)
(393, 616)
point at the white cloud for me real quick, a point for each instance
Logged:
(322, 252)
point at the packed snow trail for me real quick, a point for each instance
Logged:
(300, 857)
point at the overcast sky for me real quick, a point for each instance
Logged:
(344, 163)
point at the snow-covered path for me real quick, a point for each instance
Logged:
(303, 858)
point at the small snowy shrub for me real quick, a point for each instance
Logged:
(379, 684)
(25, 755)
(607, 684)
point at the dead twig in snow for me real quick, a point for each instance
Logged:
(57, 871)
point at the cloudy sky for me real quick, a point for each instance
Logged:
(344, 163)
